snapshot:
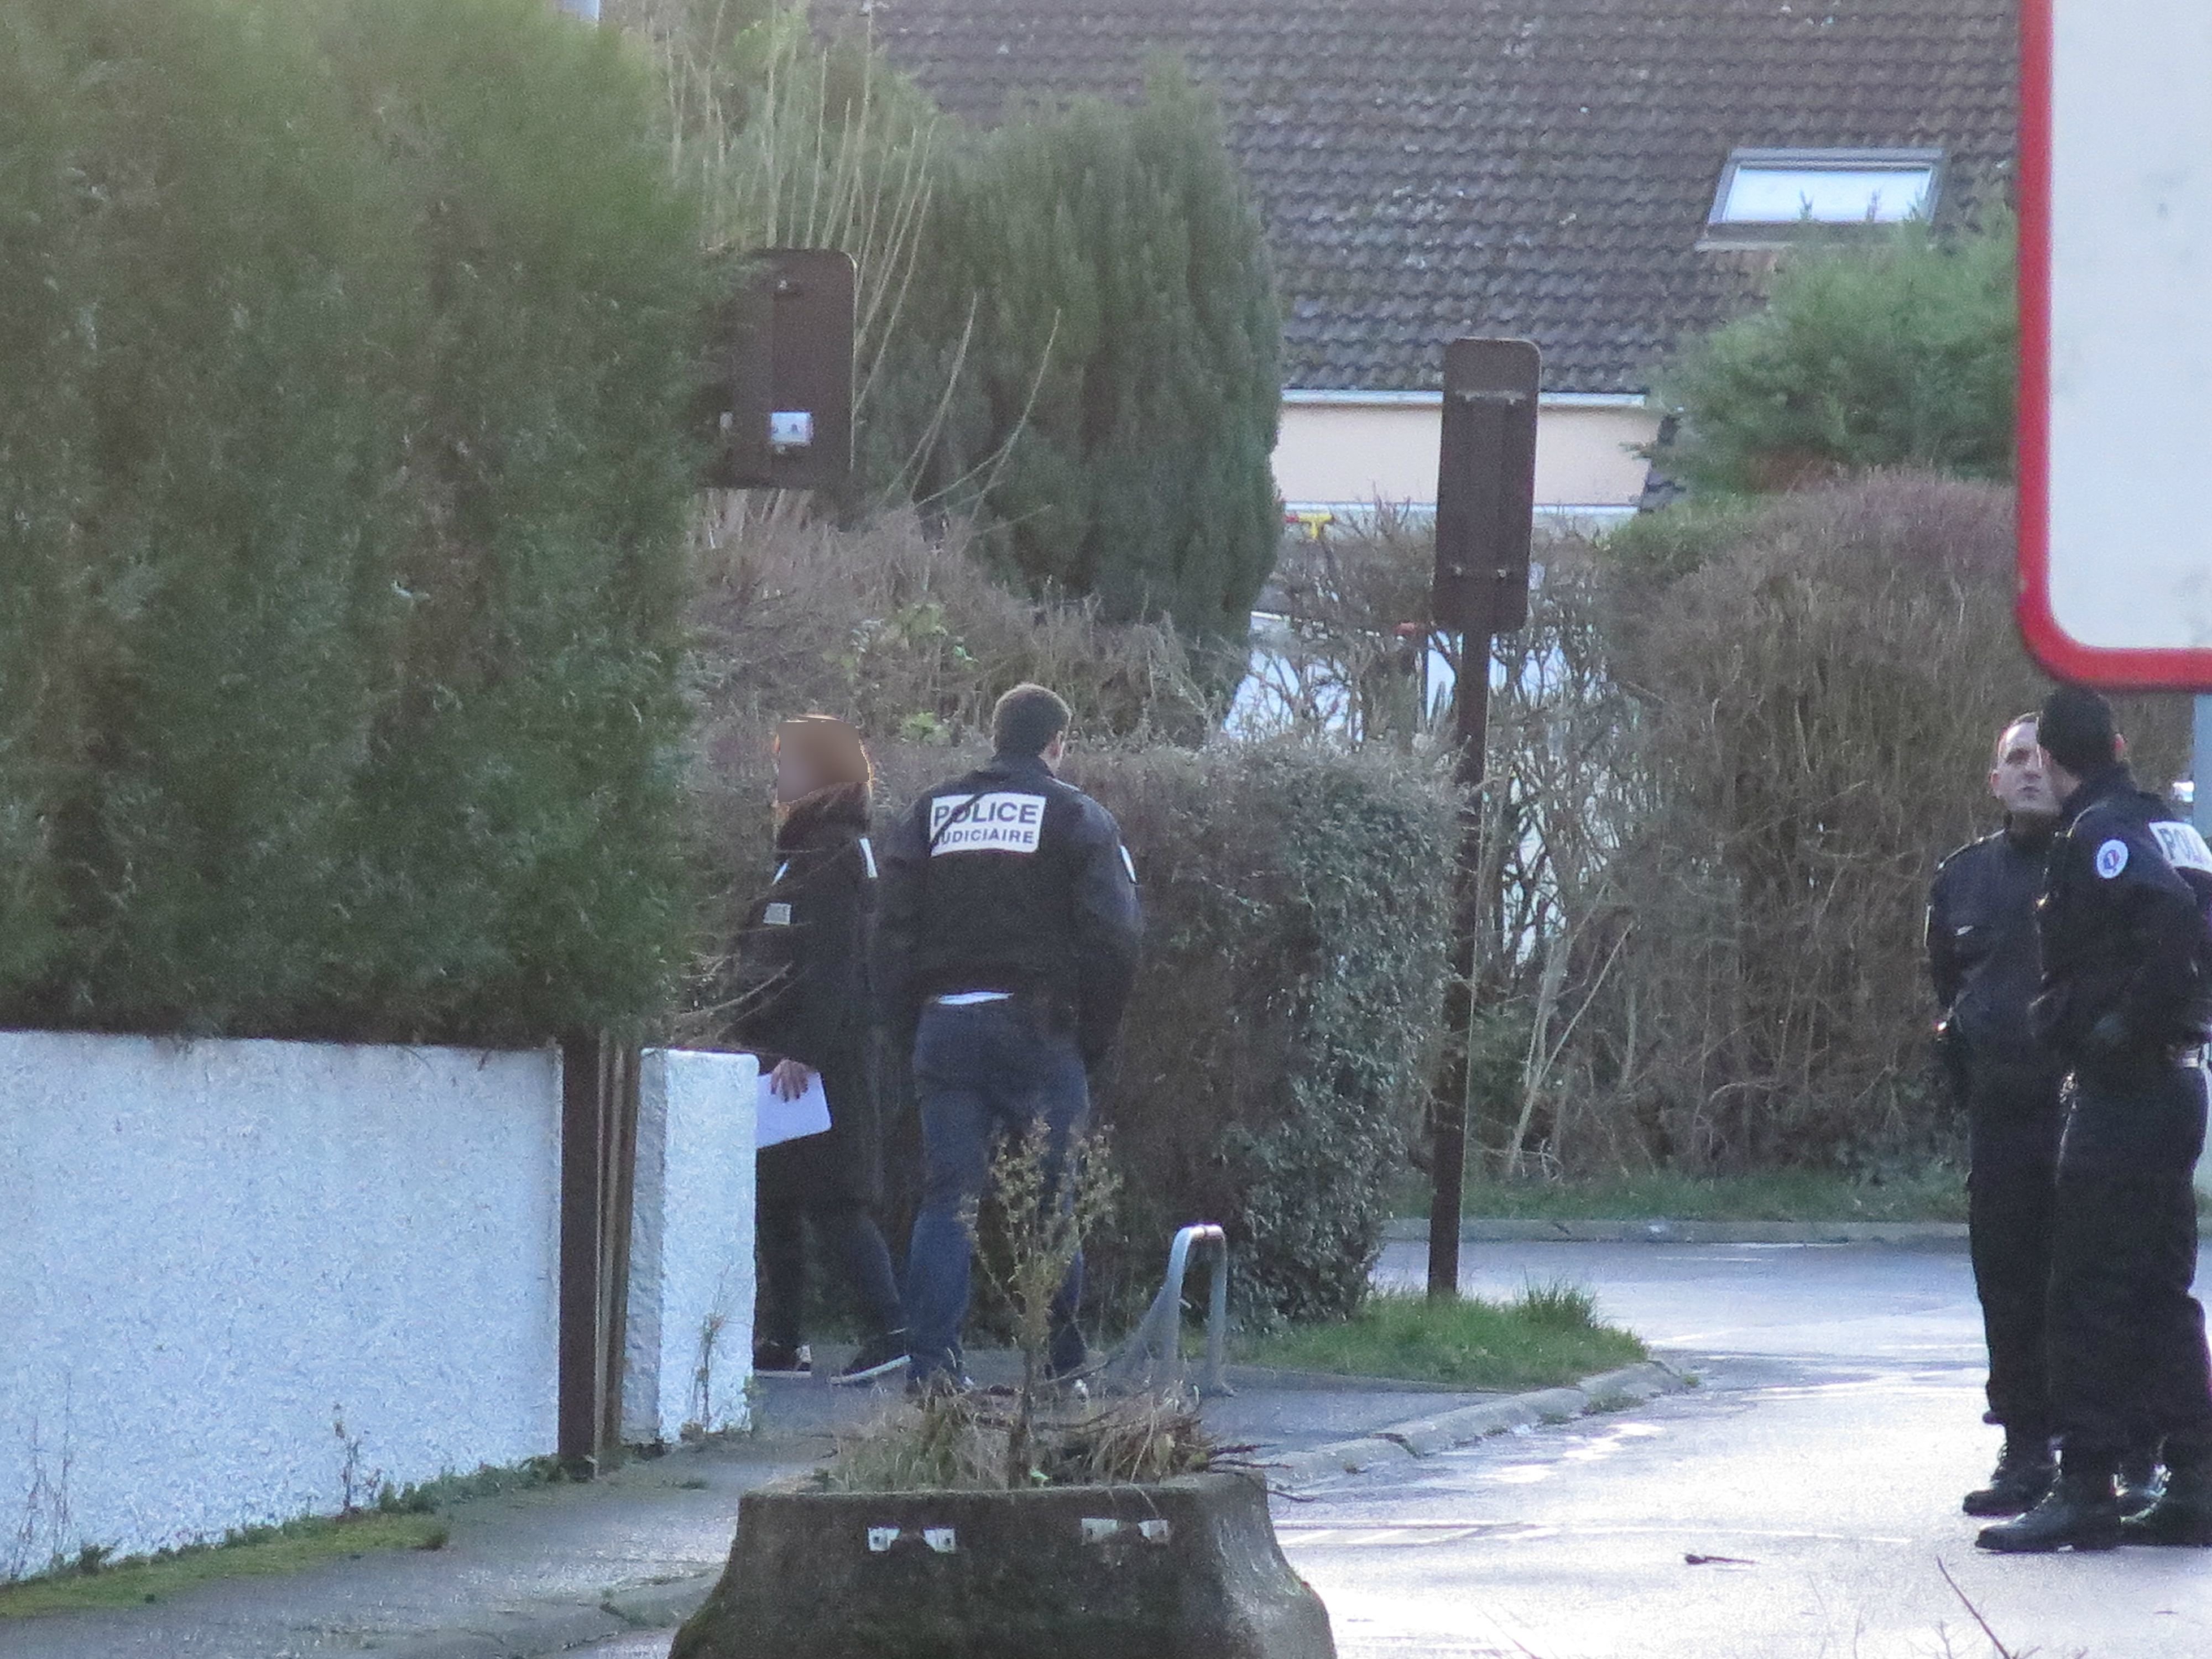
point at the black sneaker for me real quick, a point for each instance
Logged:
(879, 1356)
(780, 1359)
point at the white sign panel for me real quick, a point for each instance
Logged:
(2116, 351)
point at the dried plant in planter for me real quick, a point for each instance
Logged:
(968, 1442)
(1042, 1432)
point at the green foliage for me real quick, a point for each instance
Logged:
(1090, 360)
(1899, 356)
(1277, 1058)
(1932, 1192)
(341, 577)
(1549, 1335)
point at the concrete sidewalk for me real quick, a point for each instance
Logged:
(555, 1568)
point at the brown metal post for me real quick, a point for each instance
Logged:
(1448, 1128)
(1485, 507)
(599, 1185)
(618, 1177)
(583, 1176)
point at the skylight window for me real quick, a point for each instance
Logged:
(1769, 195)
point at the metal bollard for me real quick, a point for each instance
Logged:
(1153, 1352)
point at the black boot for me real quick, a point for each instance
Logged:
(2023, 1475)
(2183, 1514)
(2079, 1512)
(2139, 1484)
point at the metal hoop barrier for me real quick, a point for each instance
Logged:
(1153, 1353)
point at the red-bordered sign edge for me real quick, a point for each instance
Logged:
(2058, 651)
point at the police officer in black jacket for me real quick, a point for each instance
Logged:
(1007, 946)
(2125, 1005)
(808, 1007)
(1983, 956)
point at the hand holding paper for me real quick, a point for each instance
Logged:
(778, 1120)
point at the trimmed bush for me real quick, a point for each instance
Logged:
(349, 349)
(1901, 355)
(1277, 1060)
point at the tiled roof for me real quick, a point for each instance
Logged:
(1542, 167)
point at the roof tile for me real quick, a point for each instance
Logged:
(1545, 166)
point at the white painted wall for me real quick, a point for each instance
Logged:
(211, 1252)
(690, 1331)
(1352, 453)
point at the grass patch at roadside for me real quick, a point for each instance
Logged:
(402, 1518)
(91, 1583)
(1547, 1335)
(1935, 1193)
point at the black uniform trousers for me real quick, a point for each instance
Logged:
(2014, 1116)
(831, 1179)
(2128, 1359)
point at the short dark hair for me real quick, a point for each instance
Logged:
(2075, 729)
(2031, 717)
(1027, 719)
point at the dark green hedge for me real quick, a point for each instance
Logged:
(346, 345)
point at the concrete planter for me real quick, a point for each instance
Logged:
(1186, 1569)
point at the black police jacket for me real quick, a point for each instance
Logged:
(1983, 954)
(2122, 920)
(804, 987)
(1008, 879)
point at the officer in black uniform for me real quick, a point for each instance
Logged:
(2125, 1005)
(1007, 947)
(1982, 955)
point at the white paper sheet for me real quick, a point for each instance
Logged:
(780, 1120)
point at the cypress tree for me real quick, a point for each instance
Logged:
(1111, 415)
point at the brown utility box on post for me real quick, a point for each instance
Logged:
(1485, 486)
(783, 393)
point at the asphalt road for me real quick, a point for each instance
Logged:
(1814, 1475)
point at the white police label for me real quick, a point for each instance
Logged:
(1002, 823)
(777, 915)
(2183, 848)
(2111, 859)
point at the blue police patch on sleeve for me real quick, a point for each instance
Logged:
(2111, 857)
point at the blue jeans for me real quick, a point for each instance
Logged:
(981, 1071)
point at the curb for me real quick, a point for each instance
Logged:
(661, 1605)
(1426, 1437)
(1903, 1234)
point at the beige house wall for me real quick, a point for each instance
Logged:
(1353, 454)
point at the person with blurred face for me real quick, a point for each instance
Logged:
(1983, 956)
(807, 1008)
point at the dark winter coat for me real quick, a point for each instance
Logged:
(1983, 953)
(2123, 925)
(1008, 879)
(805, 989)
